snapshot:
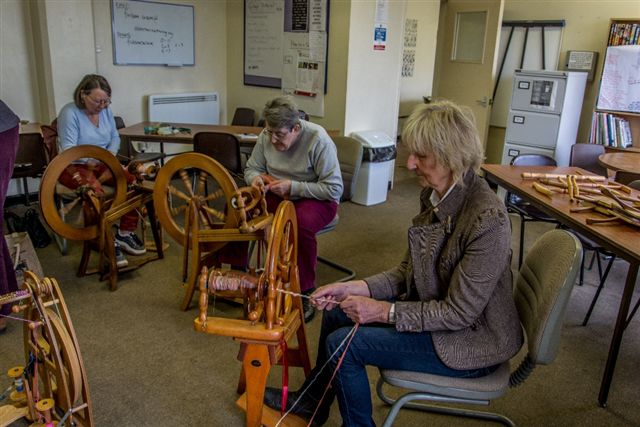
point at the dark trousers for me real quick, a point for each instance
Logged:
(8, 149)
(378, 345)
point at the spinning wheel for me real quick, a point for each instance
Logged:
(200, 206)
(99, 207)
(275, 316)
(88, 199)
(54, 380)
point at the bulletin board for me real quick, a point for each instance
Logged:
(152, 33)
(285, 47)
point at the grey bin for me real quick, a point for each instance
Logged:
(376, 172)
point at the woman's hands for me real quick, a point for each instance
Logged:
(279, 187)
(355, 300)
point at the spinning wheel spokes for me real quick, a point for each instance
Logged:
(84, 199)
(197, 184)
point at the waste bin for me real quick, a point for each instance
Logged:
(376, 172)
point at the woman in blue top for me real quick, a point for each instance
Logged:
(88, 120)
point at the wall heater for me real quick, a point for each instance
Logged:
(196, 108)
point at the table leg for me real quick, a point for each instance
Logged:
(614, 348)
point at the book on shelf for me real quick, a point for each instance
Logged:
(610, 130)
(624, 33)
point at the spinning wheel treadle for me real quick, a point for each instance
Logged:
(274, 317)
(88, 199)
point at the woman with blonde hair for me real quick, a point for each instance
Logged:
(447, 308)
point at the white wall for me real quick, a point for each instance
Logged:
(373, 77)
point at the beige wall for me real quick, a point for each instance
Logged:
(587, 26)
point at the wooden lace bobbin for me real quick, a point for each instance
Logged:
(18, 395)
(216, 280)
(45, 406)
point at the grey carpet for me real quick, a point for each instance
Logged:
(147, 366)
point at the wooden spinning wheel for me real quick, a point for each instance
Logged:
(98, 210)
(274, 319)
(200, 206)
(88, 199)
(55, 381)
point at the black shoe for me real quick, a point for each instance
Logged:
(308, 309)
(304, 409)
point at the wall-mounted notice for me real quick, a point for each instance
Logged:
(152, 33)
(620, 84)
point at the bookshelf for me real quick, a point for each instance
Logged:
(616, 118)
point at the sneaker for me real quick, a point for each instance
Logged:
(131, 243)
(307, 308)
(121, 260)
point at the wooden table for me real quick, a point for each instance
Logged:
(623, 240)
(247, 135)
(626, 162)
(31, 127)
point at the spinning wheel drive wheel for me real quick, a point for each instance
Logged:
(55, 217)
(281, 269)
(50, 349)
(198, 182)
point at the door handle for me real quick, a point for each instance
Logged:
(484, 102)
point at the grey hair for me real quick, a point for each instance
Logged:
(446, 131)
(281, 112)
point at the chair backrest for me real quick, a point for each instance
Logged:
(533, 160)
(50, 139)
(626, 177)
(243, 117)
(585, 156)
(303, 115)
(542, 291)
(31, 158)
(350, 158)
(634, 184)
(223, 147)
(119, 122)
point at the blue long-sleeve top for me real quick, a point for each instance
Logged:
(75, 128)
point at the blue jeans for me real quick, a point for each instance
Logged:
(377, 345)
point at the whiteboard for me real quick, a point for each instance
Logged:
(620, 84)
(152, 33)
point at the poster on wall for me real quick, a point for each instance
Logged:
(380, 37)
(286, 48)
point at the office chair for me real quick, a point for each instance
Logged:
(585, 156)
(350, 158)
(223, 147)
(243, 117)
(636, 186)
(127, 152)
(542, 291)
(526, 211)
(31, 161)
(303, 115)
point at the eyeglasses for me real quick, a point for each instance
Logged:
(277, 134)
(100, 102)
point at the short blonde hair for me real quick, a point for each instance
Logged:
(446, 131)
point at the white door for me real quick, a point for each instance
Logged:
(468, 56)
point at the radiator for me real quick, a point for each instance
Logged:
(197, 108)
